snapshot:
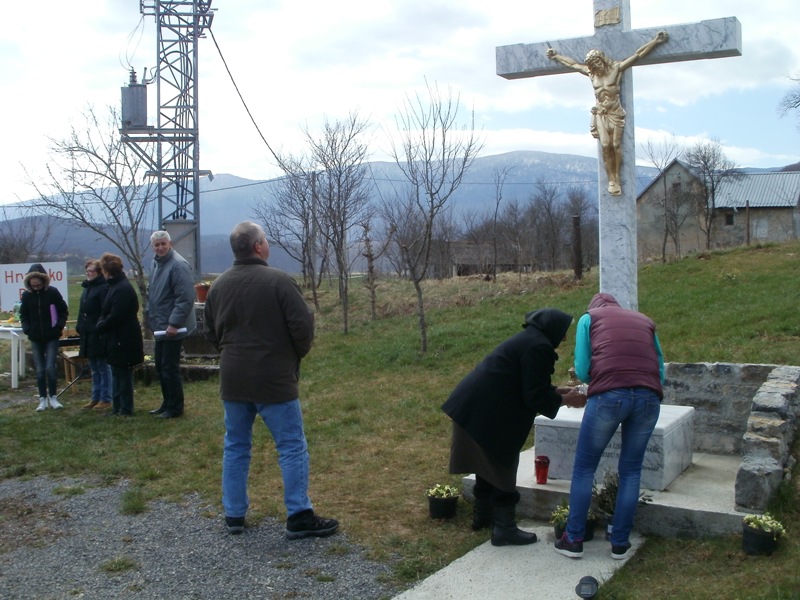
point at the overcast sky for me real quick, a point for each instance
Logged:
(299, 62)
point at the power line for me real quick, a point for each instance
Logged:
(386, 179)
(236, 87)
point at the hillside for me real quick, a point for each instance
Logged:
(230, 199)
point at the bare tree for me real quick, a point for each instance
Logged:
(372, 255)
(499, 177)
(99, 182)
(579, 208)
(678, 209)
(290, 221)
(791, 101)
(342, 192)
(662, 155)
(477, 233)
(533, 247)
(553, 222)
(434, 154)
(712, 167)
(23, 237)
(514, 233)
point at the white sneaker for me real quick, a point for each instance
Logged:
(42, 405)
(54, 403)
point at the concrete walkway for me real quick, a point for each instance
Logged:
(699, 503)
(534, 572)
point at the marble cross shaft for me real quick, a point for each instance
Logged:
(714, 38)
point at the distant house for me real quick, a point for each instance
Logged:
(468, 258)
(750, 208)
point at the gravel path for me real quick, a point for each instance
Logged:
(58, 544)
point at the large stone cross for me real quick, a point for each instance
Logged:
(613, 36)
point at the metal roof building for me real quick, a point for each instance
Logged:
(760, 190)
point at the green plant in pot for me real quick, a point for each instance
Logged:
(443, 500)
(604, 500)
(558, 517)
(760, 534)
(559, 520)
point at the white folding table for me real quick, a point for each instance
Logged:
(17, 351)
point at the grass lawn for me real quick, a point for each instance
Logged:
(378, 438)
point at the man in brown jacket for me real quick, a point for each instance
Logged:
(257, 318)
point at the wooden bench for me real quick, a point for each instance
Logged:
(73, 365)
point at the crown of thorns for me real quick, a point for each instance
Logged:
(597, 55)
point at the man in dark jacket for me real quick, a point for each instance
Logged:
(493, 409)
(618, 354)
(257, 318)
(43, 313)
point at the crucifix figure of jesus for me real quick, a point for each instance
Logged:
(613, 37)
(608, 116)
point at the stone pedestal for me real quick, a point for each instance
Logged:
(669, 451)
(195, 344)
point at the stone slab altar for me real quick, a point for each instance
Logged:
(668, 454)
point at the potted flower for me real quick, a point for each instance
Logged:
(760, 534)
(442, 501)
(201, 289)
(559, 520)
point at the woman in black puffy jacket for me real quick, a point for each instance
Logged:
(43, 314)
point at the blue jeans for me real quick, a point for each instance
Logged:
(101, 380)
(285, 422)
(44, 359)
(637, 410)
(167, 358)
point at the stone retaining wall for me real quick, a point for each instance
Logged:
(744, 409)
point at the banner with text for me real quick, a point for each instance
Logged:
(13, 277)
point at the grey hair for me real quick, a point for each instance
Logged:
(160, 235)
(244, 236)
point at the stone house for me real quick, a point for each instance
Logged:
(751, 208)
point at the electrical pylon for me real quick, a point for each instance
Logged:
(176, 167)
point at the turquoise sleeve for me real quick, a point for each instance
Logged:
(583, 349)
(660, 359)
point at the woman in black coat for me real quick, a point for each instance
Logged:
(93, 345)
(493, 409)
(119, 323)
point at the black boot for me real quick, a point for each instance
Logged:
(481, 513)
(505, 531)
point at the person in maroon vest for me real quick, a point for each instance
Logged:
(618, 354)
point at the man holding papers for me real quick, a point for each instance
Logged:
(171, 317)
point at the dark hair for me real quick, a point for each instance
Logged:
(111, 264)
(93, 263)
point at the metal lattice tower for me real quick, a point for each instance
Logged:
(177, 163)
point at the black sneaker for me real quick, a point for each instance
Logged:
(307, 524)
(235, 525)
(567, 548)
(620, 552)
